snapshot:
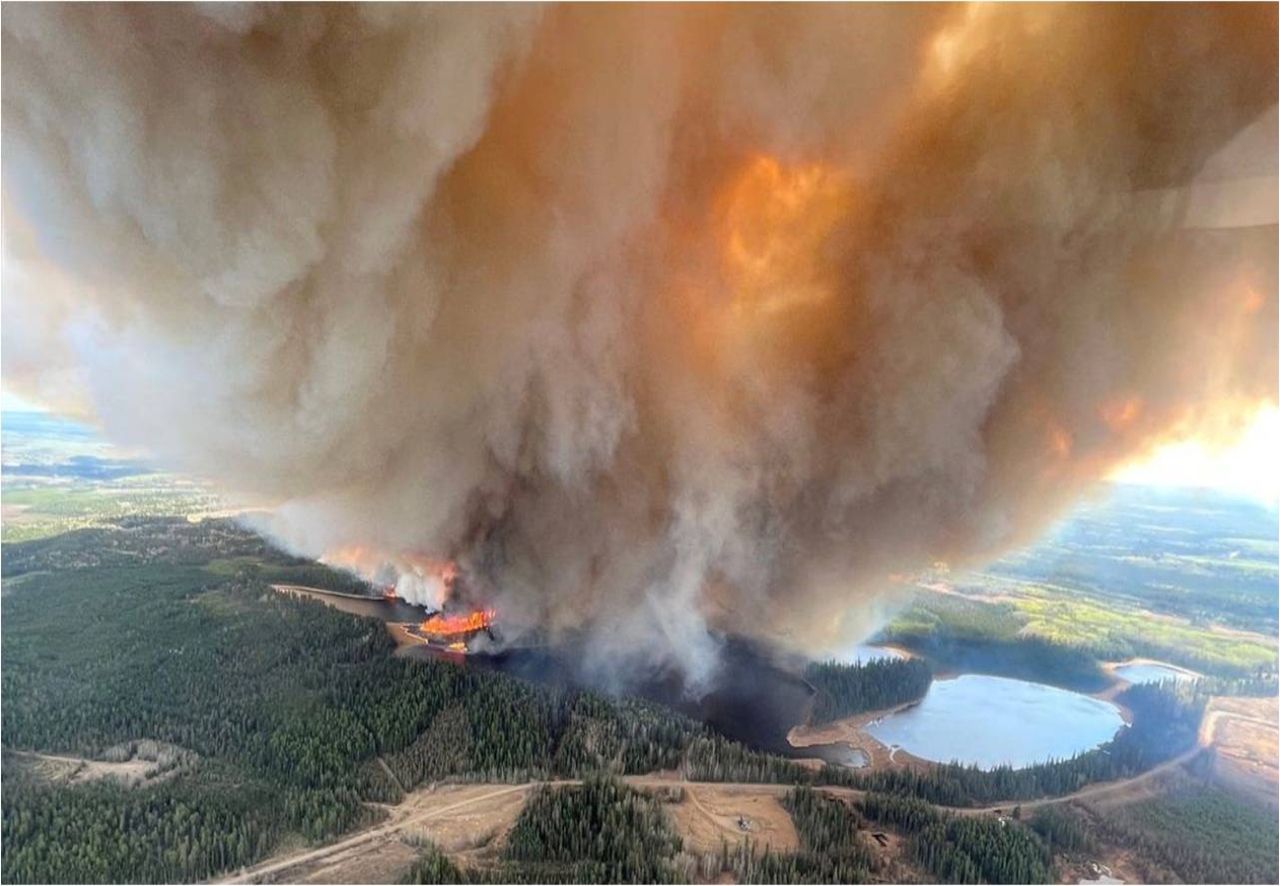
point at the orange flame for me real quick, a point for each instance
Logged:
(441, 625)
(774, 220)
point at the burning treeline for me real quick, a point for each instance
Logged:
(661, 321)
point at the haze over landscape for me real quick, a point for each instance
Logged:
(829, 443)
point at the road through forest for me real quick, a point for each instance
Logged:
(406, 815)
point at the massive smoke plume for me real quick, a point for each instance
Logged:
(661, 322)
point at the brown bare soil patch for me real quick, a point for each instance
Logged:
(1246, 741)
(1115, 863)
(849, 731)
(14, 513)
(388, 864)
(131, 764)
(709, 815)
(465, 820)
(78, 770)
(483, 824)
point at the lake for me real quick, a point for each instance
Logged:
(1151, 672)
(993, 721)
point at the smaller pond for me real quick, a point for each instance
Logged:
(836, 753)
(993, 721)
(1151, 672)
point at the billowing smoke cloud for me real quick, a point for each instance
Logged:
(660, 321)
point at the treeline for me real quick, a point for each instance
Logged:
(831, 848)
(1166, 718)
(960, 848)
(315, 575)
(845, 690)
(187, 828)
(1261, 685)
(601, 831)
(292, 704)
(1194, 834)
(286, 699)
(968, 634)
(961, 635)
(710, 757)
(606, 832)
(1202, 835)
(1062, 830)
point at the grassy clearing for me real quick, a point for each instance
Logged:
(43, 510)
(1104, 631)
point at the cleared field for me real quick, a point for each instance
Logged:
(1244, 735)
(710, 814)
(78, 770)
(132, 764)
(388, 863)
(478, 819)
(382, 853)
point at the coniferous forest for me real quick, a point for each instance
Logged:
(845, 690)
(284, 705)
(272, 720)
(959, 848)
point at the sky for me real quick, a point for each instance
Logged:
(1250, 467)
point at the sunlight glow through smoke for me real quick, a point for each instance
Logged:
(1249, 466)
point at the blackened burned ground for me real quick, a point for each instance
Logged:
(752, 699)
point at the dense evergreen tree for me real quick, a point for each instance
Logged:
(831, 849)
(186, 828)
(845, 690)
(167, 630)
(294, 716)
(600, 831)
(1061, 830)
(960, 848)
(1193, 834)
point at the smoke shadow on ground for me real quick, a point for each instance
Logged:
(756, 698)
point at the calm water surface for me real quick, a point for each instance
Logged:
(992, 721)
(1150, 673)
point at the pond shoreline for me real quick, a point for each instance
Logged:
(953, 715)
(849, 731)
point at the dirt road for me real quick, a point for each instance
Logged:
(402, 817)
(1111, 789)
(1090, 792)
(411, 813)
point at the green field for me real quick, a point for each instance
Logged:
(1184, 577)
